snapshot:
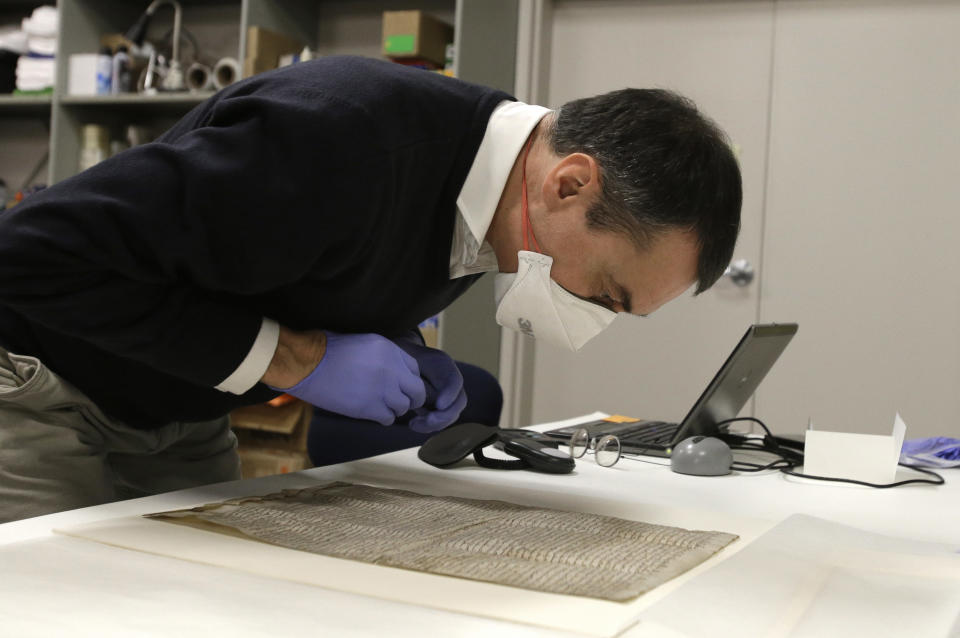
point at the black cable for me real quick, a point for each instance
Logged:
(937, 480)
(747, 418)
(185, 34)
(748, 444)
(769, 442)
(756, 467)
(790, 459)
(771, 446)
(746, 466)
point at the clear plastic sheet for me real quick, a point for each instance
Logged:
(809, 578)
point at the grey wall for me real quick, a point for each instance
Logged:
(847, 119)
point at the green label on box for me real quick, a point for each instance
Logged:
(397, 44)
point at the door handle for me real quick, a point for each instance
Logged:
(740, 272)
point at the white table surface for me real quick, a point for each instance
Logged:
(52, 584)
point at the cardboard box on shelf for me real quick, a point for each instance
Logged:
(430, 331)
(255, 462)
(264, 49)
(415, 35)
(272, 438)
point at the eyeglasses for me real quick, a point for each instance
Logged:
(606, 449)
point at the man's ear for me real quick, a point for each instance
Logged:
(573, 179)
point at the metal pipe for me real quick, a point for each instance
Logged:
(177, 21)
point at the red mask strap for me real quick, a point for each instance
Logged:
(524, 213)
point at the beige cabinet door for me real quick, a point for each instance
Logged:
(718, 54)
(862, 236)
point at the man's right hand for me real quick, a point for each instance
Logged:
(364, 376)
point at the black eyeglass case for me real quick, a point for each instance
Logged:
(456, 443)
(532, 449)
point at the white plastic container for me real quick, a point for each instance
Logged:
(83, 74)
(104, 71)
(96, 145)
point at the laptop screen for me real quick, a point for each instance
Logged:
(737, 379)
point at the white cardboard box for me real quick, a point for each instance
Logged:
(871, 458)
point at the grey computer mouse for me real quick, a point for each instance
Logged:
(701, 456)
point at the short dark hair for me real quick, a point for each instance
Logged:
(663, 165)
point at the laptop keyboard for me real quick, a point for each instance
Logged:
(643, 434)
(650, 433)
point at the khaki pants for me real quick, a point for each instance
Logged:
(59, 451)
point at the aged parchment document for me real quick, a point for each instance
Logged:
(493, 541)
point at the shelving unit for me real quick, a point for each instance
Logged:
(24, 121)
(14, 104)
(215, 25)
(162, 99)
(485, 38)
(14, 107)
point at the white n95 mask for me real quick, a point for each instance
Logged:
(531, 302)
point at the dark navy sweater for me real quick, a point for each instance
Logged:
(322, 195)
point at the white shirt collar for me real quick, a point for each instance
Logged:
(508, 129)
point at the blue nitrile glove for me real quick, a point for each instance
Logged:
(938, 451)
(364, 376)
(446, 397)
